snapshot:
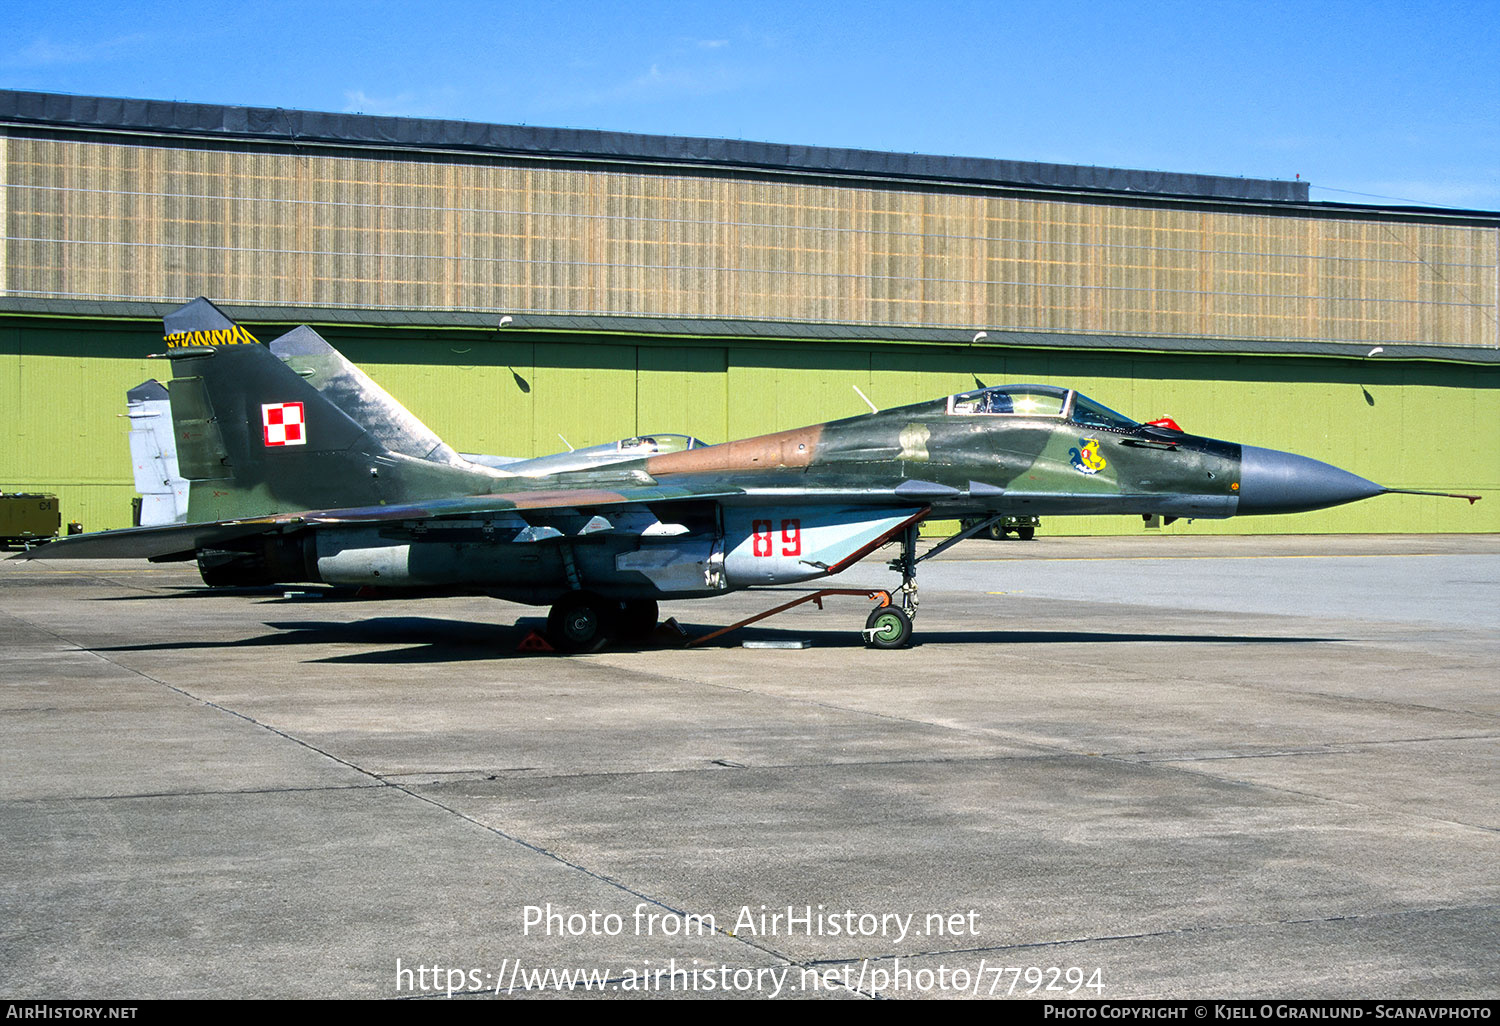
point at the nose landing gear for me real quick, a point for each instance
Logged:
(890, 626)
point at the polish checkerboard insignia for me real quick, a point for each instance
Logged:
(283, 424)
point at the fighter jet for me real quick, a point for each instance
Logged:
(311, 474)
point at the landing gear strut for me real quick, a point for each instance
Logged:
(906, 565)
(891, 626)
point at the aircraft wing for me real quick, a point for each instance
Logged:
(518, 508)
(155, 542)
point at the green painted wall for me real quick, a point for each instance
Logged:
(62, 400)
(1404, 424)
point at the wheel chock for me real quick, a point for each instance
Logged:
(534, 642)
(670, 630)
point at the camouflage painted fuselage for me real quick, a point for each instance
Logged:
(971, 465)
(300, 469)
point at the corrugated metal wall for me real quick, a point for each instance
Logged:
(119, 220)
(1411, 425)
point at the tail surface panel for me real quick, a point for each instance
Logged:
(153, 455)
(254, 438)
(354, 392)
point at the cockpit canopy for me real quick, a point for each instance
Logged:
(595, 456)
(1038, 401)
(651, 445)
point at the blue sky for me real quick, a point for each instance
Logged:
(1370, 102)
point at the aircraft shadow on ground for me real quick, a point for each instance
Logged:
(428, 639)
(850, 638)
(189, 591)
(275, 594)
(417, 639)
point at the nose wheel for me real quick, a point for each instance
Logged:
(887, 627)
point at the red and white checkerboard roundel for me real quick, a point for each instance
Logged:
(283, 424)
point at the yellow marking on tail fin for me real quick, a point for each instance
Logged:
(232, 336)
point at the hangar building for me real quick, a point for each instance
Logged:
(514, 285)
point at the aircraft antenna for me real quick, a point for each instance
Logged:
(872, 406)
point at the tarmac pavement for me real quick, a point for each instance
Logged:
(1165, 766)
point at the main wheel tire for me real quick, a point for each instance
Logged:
(1026, 533)
(887, 627)
(580, 621)
(637, 619)
(996, 532)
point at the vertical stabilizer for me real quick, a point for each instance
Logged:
(354, 392)
(153, 455)
(254, 438)
(200, 324)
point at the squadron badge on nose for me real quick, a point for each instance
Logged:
(1087, 459)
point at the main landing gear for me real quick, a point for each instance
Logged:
(582, 621)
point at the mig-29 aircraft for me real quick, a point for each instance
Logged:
(301, 469)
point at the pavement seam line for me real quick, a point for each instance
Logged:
(578, 867)
(1332, 748)
(1269, 924)
(1043, 749)
(190, 794)
(201, 701)
(1395, 813)
(383, 783)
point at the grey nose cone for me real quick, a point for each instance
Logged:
(1280, 482)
